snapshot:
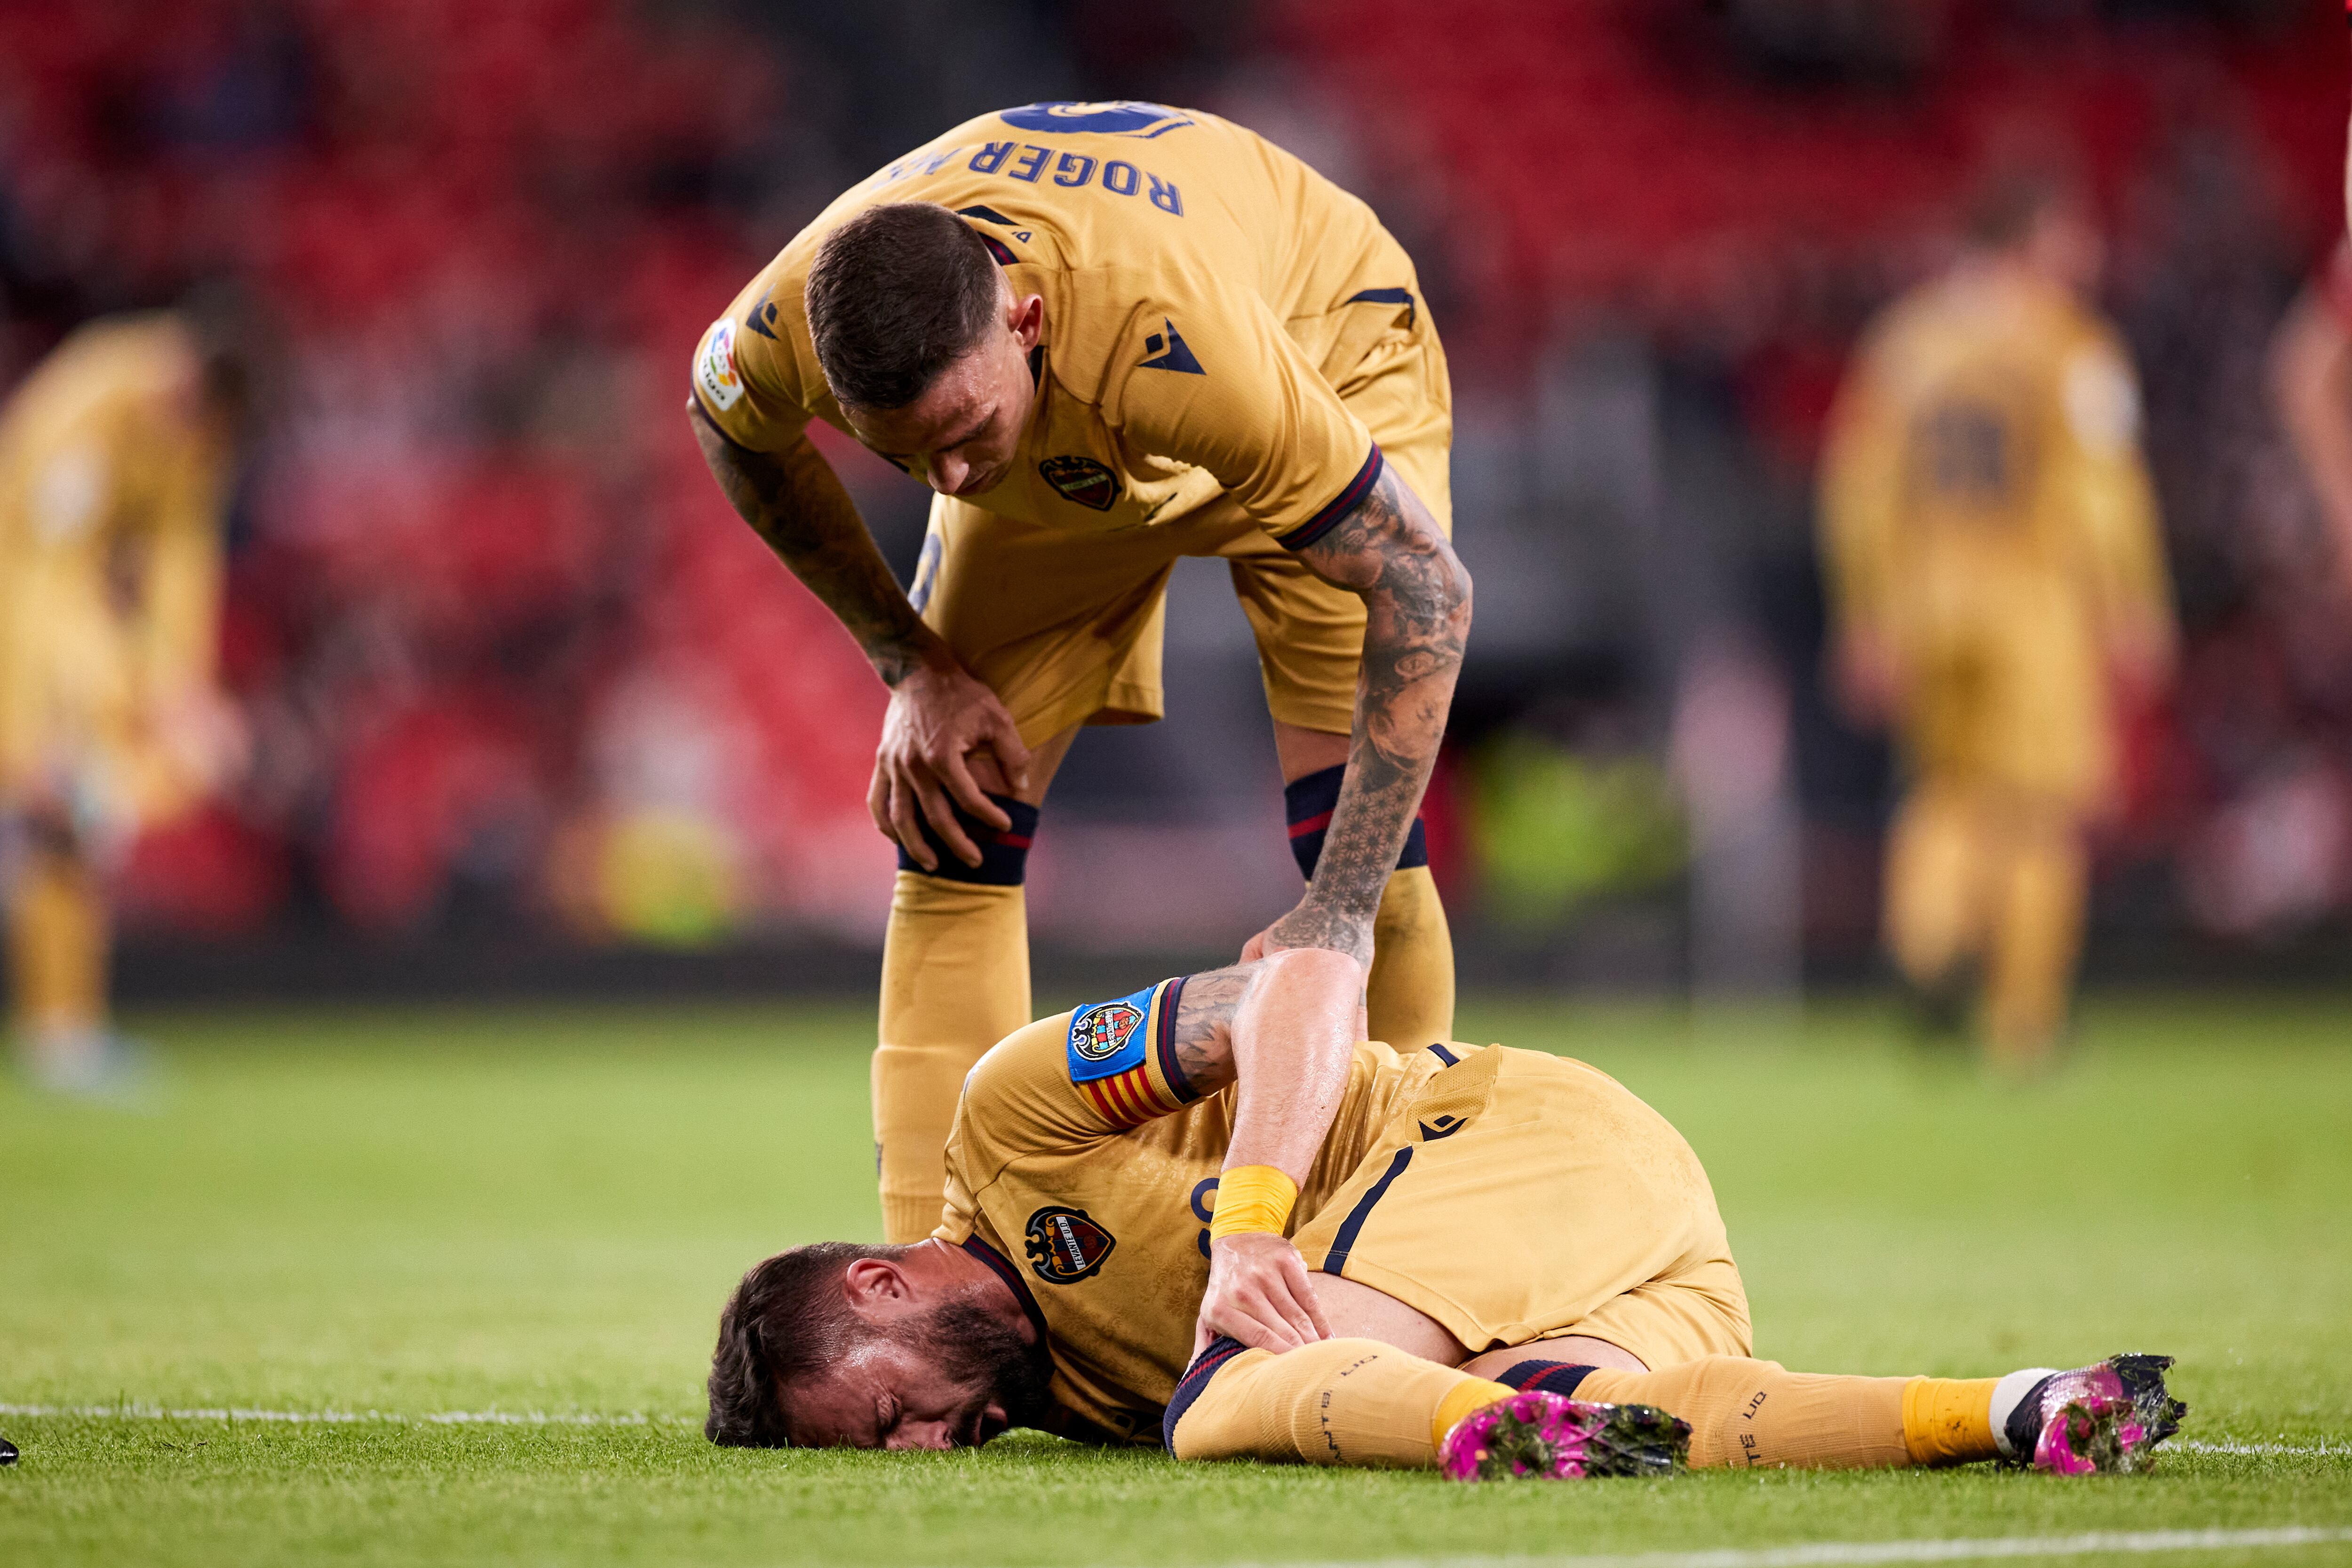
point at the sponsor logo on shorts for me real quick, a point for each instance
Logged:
(1103, 1032)
(1081, 480)
(1064, 1246)
(714, 367)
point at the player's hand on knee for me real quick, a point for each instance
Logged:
(939, 716)
(1259, 1294)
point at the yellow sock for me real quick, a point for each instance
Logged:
(1471, 1393)
(58, 938)
(1336, 1402)
(1948, 1420)
(2037, 934)
(1936, 856)
(1758, 1413)
(1410, 993)
(955, 980)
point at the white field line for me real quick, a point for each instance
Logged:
(2267, 1450)
(354, 1417)
(1804, 1555)
(136, 1412)
(1957, 1550)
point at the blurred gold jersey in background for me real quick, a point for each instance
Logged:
(1990, 528)
(111, 488)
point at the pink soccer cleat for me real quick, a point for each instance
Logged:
(1536, 1435)
(2110, 1417)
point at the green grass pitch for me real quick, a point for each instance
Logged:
(540, 1210)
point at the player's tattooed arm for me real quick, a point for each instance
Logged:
(1392, 553)
(1227, 1018)
(1204, 1025)
(795, 502)
(941, 718)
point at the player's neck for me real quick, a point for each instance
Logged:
(956, 1270)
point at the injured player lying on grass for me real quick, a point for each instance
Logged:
(1208, 1213)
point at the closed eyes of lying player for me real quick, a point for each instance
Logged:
(928, 1349)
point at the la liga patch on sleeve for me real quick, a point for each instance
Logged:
(1108, 1037)
(714, 367)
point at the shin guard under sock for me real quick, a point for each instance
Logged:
(1336, 1402)
(955, 980)
(1745, 1412)
(1410, 995)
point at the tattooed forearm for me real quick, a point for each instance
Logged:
(793, 501)
(1417, 601)
(1204, 1025)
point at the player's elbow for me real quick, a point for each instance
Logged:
(1304, 969)
(1422, 595)
(1458, 592)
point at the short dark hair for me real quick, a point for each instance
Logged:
(895, 296)
(233, 337)
(787, 1320)
(2006, 205)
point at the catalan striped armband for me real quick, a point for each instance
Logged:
(1123, 1055)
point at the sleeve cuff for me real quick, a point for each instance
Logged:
(1339, 506)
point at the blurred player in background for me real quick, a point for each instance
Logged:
(1999, 589)
(1107, 335)
(116, 456)
(2311, 375)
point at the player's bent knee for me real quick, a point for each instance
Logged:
(1191, 1431)
(1003, 851)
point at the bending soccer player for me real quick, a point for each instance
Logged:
(1107, 335)
(115, 461)
(1208, 1213)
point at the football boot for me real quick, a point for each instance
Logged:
(2110, 1417)
(1537, 1436)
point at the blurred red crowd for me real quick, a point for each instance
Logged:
(498, 631)
(1752, 177)
(501, 640)
(1630, 156)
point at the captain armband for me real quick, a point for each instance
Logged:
(1252, 1198)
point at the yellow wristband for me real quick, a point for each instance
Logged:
(1252, 1198)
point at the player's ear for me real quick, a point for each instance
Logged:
(873, 1283)
(1025, 315)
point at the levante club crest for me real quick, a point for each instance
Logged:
(1082, 480)
(1103, 1033)
(1064, 1246)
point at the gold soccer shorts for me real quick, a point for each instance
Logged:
(1067, 627)
(1520, 1196)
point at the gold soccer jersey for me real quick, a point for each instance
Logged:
(1987, 518)
(1208, 299)
(110, 560)
(1082, 1170)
